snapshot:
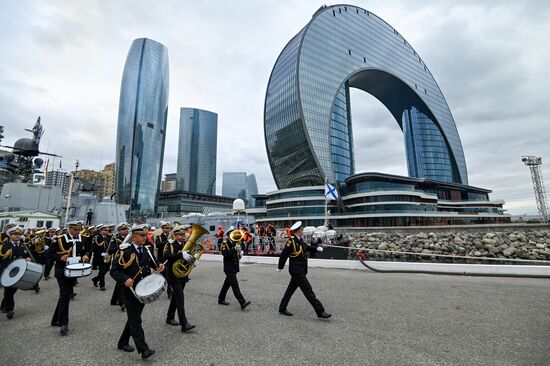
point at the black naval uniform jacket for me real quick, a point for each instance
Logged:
(116, 240)
(296, 249)
(18, 250)
(161, 241)
(172, 253)
(230, 256)
(130, 256)
(60, 247)
(100, 244)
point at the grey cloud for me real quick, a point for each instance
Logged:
(63, 60)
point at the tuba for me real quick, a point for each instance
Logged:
(38, 241)
(237, 236)
(180, 269)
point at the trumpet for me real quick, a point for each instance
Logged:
(180, 269)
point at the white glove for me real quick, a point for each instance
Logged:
(186, 255)
(320, 249)
(279, 270)
(46, 247)
(242, 253)
(103, 254)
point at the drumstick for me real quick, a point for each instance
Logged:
(150, 255)
(140, 269)
(30, 253)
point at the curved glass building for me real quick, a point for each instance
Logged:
(307, 122)
(141, 131)
(197, 151)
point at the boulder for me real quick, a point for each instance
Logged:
(508, 252)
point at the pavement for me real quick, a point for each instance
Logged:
(378, 319)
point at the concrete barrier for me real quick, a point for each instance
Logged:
(450, 268)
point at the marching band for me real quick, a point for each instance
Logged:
(143, 268)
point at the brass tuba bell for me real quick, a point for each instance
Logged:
(237, 236)
(180, 269)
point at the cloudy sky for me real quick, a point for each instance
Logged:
(63, 60)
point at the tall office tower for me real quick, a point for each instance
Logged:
(141, 131)
(307, 120)
(197, 151)
(234, 184)
(252, 188)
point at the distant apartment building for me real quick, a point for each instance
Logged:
(169, 183)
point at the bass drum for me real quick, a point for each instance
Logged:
(22, 274)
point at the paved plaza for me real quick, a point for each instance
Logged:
(378, 319)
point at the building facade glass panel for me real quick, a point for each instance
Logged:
(197, 145)
(307, 134)
(141, 129)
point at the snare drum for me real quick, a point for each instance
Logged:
(76, 270)
(22, 274)
(150, 288)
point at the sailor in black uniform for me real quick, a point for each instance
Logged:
(295, 249)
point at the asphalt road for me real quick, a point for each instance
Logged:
(378, 319)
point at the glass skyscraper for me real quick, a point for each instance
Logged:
(308, 128)
(234, 184)
(197, 151)
(141, 130)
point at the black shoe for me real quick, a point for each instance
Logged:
(122, 307)
(64, 330)
(102, 288)
(126, 348)
(54, 324)
(147, 353)
(285, 312)
(324, 315)
(9, 314)
(172, 322)
(187, 327)
(95, 282)
(73, 295)
(37, 290)
(245, 304)
(3, 310)
(46, 278)
(223, 303)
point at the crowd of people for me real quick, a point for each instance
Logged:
(134, 254)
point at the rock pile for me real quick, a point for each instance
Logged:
(531, 245)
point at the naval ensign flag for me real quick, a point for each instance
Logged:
(330, 192)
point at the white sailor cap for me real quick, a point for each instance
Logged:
(180, 229)
(296, 226)
(14, 230)
(76, 224)
(98, 227)
(165, 224)
(230, 229)
(122, 225)
(139, 229)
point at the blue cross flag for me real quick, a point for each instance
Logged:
(330, 192)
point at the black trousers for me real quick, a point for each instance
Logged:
(133, 326)
(66, 289)
(8, 303)
(116, 299)
(301, 282)
(177, 302)
(103, 269)
(48, 264)
(231, 281)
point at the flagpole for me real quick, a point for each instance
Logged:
(326, 205)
